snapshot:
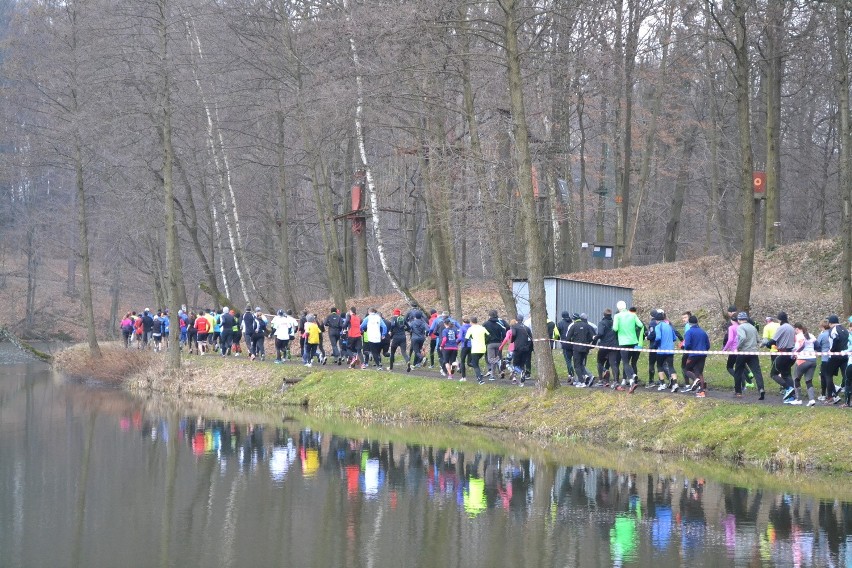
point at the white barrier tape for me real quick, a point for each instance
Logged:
(686, 352)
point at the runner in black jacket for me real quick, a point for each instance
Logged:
(608, 359)
(496, 329)
(581, 332)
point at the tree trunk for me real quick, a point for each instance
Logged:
(362, 256)
(173, 263)
(71, 277)
(85, 257)
(115, 299)
(625, 65)
(651, 135)
(371, 187)
(534, 253)
(216, 147)
(31, 251)
(673, 225)
(741, 71)
(348, 237)
(845, 185)
(189, 217)
(774, 79)
(490, 217)
(284, 280)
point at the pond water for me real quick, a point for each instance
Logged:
(98, 478)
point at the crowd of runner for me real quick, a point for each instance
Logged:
(497, 349)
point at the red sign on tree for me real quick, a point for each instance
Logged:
(759, 184)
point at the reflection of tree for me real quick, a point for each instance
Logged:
(82, 485)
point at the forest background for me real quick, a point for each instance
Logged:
(204, 152)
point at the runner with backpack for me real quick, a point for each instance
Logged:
(397, 331)
(258, 336)
(334, 326)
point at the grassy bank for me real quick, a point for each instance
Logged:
(767, 436)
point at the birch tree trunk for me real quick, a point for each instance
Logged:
(370, 185)
(216, 147)
(535, 254)
(189, 217)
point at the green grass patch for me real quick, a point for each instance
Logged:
(770, 437)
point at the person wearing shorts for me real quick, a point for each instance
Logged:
(450, 341)
(202, 329)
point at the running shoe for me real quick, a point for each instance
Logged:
(675, 387)
(591, 382)
(461, 380)
(633, 387)
(821, 398)
(811, 402)
(793, 401)
(480, 382)
(687, 388)
(661, 387)
(701, 394)
(789, 393)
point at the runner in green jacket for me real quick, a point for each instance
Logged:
(627, 326)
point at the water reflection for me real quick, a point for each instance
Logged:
(578, 514)
(106, 480)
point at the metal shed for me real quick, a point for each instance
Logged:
(564, 294)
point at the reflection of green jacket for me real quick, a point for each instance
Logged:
(622, 539)
(627, 326)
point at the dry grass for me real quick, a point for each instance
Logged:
(116, 364)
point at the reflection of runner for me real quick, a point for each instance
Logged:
(622, 540)
(474, 497)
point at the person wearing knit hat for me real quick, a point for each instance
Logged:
(838, 338)
(745, 346)
(397, 328)
(665, 337)
(581, 335)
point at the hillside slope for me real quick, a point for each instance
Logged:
(802, 279)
